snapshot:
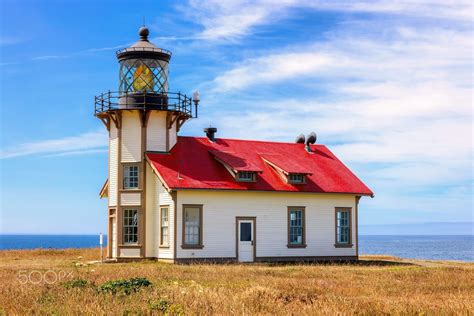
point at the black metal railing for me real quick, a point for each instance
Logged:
(165, 101)
(143, 49)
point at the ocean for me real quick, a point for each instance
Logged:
(416, 247)
(441, 247)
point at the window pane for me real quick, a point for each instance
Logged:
(130, 177)
(296, 177)
(130, 226)
(296, 227)
(245, 176)
(245, 232)
(192, 225)
(164, 226)
(343, 227)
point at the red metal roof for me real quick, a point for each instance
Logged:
(285, 164)
(235, 161)
(191, 164)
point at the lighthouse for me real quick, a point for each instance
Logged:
(205, 198)
(142, 116)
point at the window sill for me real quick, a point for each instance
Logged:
(192, 246)
(130, 245)
(296, 246)
(291, 182)
(130, 190)
(164, 247)
(343, 245)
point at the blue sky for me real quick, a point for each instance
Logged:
(386, 85)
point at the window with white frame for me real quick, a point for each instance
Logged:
(130, 226)
(246, 176)
(343, 226)
(296, 226)
(130, 177)
(192, 226)
(296, 178)
(164, 226)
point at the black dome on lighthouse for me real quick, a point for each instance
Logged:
(144, 32)
(143, 48)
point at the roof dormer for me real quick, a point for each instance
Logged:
(290, 171)
(240, 168)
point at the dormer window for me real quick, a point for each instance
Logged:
(296, 178)
(289, 170)
(241, 169)
(246, 176)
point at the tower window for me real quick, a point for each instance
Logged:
(246, 176)
(130, 177)
(296, 178)
(130, 226)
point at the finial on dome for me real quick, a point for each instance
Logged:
(143, 32)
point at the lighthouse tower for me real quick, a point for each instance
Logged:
(143, 116)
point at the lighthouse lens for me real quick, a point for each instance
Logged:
(143, 79)
(143, 75)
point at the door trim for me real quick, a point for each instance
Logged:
(246, 218)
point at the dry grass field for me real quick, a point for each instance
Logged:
(46, 282)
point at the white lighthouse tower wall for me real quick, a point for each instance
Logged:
(131, 137)
(159, 137)
(127, 145)
(113, 165)
(152, 215)
(173, 134)
(156, 132)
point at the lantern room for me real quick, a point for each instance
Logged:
(143, 83)
(143, 67)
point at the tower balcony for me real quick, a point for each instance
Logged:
(162, 101)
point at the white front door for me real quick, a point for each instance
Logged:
(245, 240)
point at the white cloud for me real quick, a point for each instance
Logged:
(271, 68)
(233, 19)
(393, 99)
(91, 142)
(47, 57)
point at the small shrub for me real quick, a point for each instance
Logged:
(75, 283)
(161, 305)
(175, 309)
(46, 298)
(124, 286)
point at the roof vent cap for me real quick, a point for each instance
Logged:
(311, 139)
(210, 133)
(300, 139)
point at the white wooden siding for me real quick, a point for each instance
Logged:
(164, 198)
(151, 215)
(130, 199)
(173, 134)
(131, 137)
(113, 165)
(114, 237)
(129, 252)
(156, 132)
(270, 209)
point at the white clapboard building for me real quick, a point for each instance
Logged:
(182, 199)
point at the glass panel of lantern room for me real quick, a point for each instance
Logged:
(143, 75)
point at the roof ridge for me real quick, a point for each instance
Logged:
(250, 140)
